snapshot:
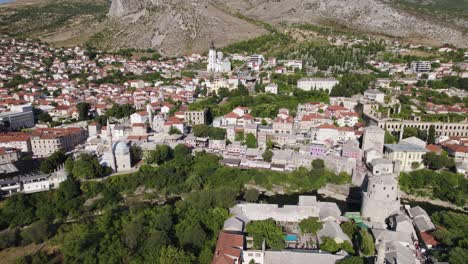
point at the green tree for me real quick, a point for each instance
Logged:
(329, 245)
(53, 161)
(44, 117)
(174, 130)
(390, 138)
(83, 110)
(431, 135)
(136, 154)
(318, 164)
(161, 154)
(79, 245)
(458, 255)
(267, 231)
(250, 141)
(349, 228)
(351, 260)
(267, 155)
(251, 195)
(171, 255)
(69, 164)
(310, 225)
(87, 166)
(437, 162)
(38, 232)
(366, 243)
(182, 151)
(239, 136)
(8, 238)
(17, 210)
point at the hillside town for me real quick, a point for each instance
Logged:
(110, 112)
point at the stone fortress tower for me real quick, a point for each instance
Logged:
(373, 138)
(380, 198)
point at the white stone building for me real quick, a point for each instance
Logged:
(408, 155)
(325, 84)
(216, 61)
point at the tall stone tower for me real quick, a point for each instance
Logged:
(381, 198)
(374, 137)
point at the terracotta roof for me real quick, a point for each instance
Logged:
(327, 126)
(433, 148)
(14, 137)
(313, 116)
(336, 108)
(228, 248)
(232, 115)
(428, 239)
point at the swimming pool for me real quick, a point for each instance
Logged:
(290, 237)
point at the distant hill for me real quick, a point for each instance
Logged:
(183, 26)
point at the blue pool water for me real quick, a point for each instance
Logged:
(290, 237)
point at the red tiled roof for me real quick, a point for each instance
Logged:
(228, 248)
(14, 137)
(336, 108)
(313, 116)
(232, 115)
(327, 126)
(433, 148)
(428, 239)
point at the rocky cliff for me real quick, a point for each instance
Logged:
(177, 26)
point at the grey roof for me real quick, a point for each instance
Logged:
(234, 224)
(383, 235)
(404, 148)
(299, 257)
(332, 230)
(378, 161)
(8, 181)
(417, 210)
(373, 91)
(423, 223)
(395, 253)
(415, 141)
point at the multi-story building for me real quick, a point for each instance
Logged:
(283, 126)
(19, 116)
(409, 155)
(195, 117)
(374, 138)
(421, 66)
(441, 128)
(45, 141)
(8, 155)
(271, 88)
(325, 84)
(18, 140)
(373, 95)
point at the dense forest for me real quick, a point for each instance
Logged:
(118, 219)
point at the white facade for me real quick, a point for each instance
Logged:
(421, 66)
(20, 116)
(405, 154)
(309, 84)
(216, 61)
(373, 95)
(271, 88)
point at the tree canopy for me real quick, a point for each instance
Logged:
(267, 231)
